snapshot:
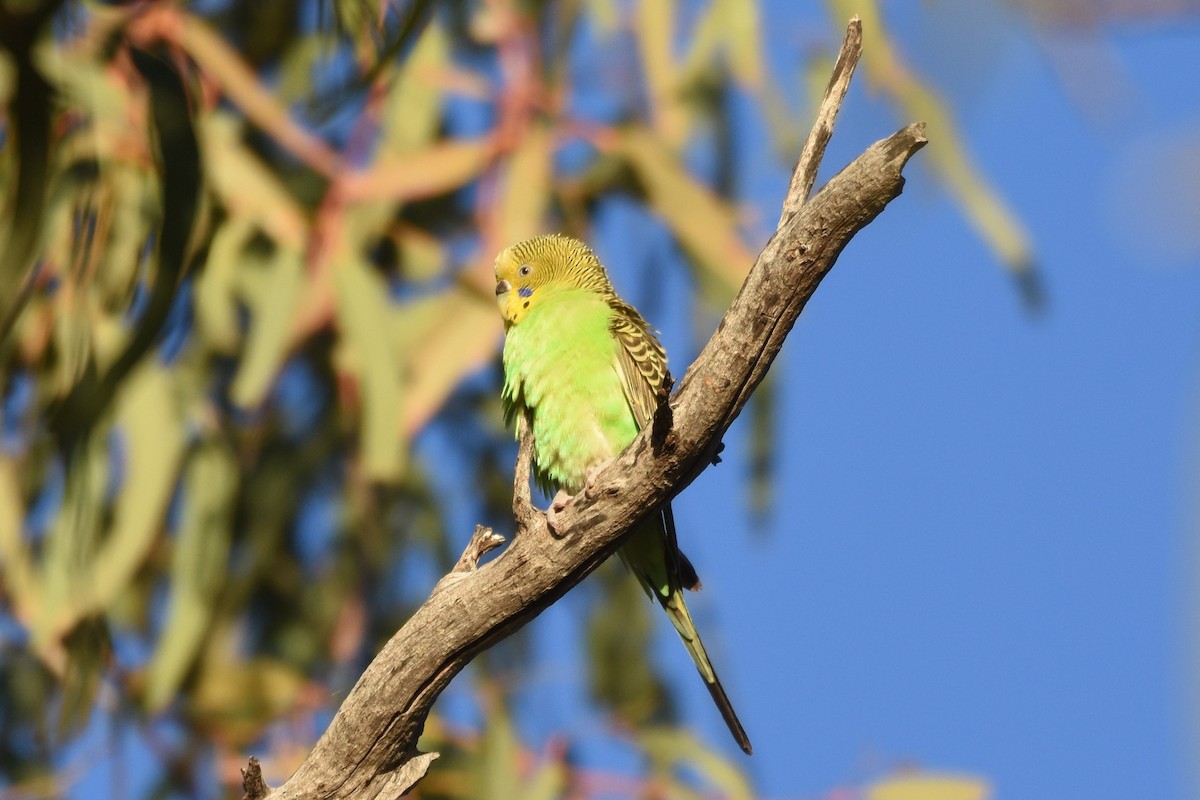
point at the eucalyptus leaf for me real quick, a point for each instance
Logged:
(198, 566)
(363, 314)
(268, 343)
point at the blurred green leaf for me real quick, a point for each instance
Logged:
(701, 221)
(88, 649)
(273, 300)
(303, 59)
(72, 341)
(497, 768)
(734, 27)
(678, 749)
(216, 285)
(363, 315)
(919, 786)
(130, 192)
(704, 42)
(246, 187)
(238, 697)
(620, 632)
(548, 782)
(16, 563)
(356, 19)
(412, 111)
(604, 12)
(947, 149)
(28, 129)
(762, 447)
(82, 572)
(198, 566)
(743, 32)
(814, 81)
(153, 435)
(98, 93)
(442, 339)
(656, 38)
(422, 256)
(68, 582)
(526, 191)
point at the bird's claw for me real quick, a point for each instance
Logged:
(589, 482)
(562, 499)
(557, 505)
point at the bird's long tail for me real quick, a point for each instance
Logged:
(663, 573)
(677, 612)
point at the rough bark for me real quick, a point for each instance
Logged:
(369, 750)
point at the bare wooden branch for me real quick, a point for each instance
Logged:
(805, 173)
(664, 420)
(369, 750)
(522, 505)
(253, 785)
(483, 542)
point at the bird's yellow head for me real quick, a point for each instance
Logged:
(531, 271)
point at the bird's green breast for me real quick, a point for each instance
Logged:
(561, 362)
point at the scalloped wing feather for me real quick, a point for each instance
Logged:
(641, 360)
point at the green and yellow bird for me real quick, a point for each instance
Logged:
(588, 368)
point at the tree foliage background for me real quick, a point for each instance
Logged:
(249, 329)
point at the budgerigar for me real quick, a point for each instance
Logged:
(588, 367)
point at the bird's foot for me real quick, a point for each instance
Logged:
(562, 499)
(557, 505)
(589, 482)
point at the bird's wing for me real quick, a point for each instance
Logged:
(642, 364)
(641, 361)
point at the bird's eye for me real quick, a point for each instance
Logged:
(524, 270)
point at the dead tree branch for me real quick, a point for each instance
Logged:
(369, 750)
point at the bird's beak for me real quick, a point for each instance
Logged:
(502, 287)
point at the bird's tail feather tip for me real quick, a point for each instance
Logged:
(730, 716)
